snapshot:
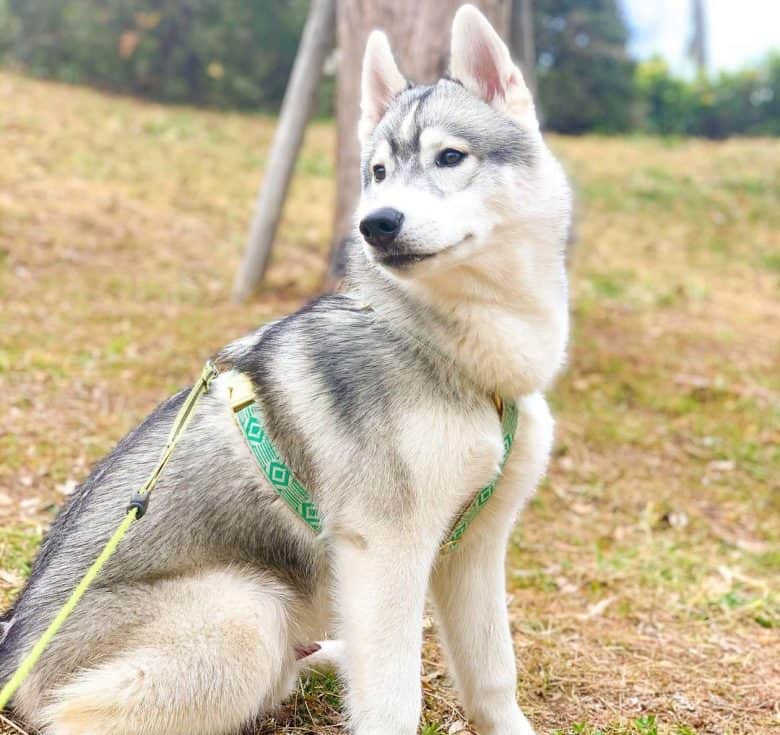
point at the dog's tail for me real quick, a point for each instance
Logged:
(7, 657)
(11, 645)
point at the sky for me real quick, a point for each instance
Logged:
(739, 31)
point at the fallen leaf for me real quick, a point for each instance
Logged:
(721, 465)
(67, 487)
(597, 609)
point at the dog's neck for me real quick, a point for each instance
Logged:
(503, 324)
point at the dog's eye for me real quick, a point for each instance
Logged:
(449, 157)
(379, 172)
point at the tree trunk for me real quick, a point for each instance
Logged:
(419, 32)
(697, 47)
(523, 45)
(316, 43)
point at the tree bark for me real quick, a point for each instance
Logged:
(697, 46)
(419, 32)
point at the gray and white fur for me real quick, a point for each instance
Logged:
(384, 413)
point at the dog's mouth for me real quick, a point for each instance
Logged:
(404, 260)
(401, 261)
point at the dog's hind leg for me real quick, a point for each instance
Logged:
(328, 655)
(216, 651)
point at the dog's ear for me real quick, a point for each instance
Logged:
(380, 82)
(481, 61)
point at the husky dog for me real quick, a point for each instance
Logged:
(199, 621)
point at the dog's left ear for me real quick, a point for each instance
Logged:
(480, 60)
(380, 82)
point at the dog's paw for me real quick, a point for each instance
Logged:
(511, 723)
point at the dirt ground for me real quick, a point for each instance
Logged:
(644, 576)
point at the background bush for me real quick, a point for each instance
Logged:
(206, 52)
(585, 76)
(238, 53)
(745, 102)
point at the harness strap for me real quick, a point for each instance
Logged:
(507, 410)
(249, 418)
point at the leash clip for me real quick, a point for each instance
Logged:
(140, 502)
(210, 372)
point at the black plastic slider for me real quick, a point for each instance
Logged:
(140, 503)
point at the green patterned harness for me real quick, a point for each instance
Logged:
(249, 418)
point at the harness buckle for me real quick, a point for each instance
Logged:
(241, 392)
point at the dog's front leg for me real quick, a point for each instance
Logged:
(469, 593)
(469, 588)
(381, 587)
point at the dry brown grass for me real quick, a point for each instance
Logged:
(644, 576)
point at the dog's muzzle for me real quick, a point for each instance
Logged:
(381, 229)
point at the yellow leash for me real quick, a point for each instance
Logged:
(135, 510)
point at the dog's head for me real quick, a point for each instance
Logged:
(451, 169)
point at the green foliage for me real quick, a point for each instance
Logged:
(233, 53)
(587, 82)
(745, 102)
(213, 52)
(579, 728)
(646, 725)
(8, 27)
(585, 77)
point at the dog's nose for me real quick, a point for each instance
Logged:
(381, 227)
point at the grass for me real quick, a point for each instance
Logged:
(644, 577)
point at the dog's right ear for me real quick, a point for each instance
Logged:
(480, 60)
(380, 82)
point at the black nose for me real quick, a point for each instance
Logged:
(381, 227)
